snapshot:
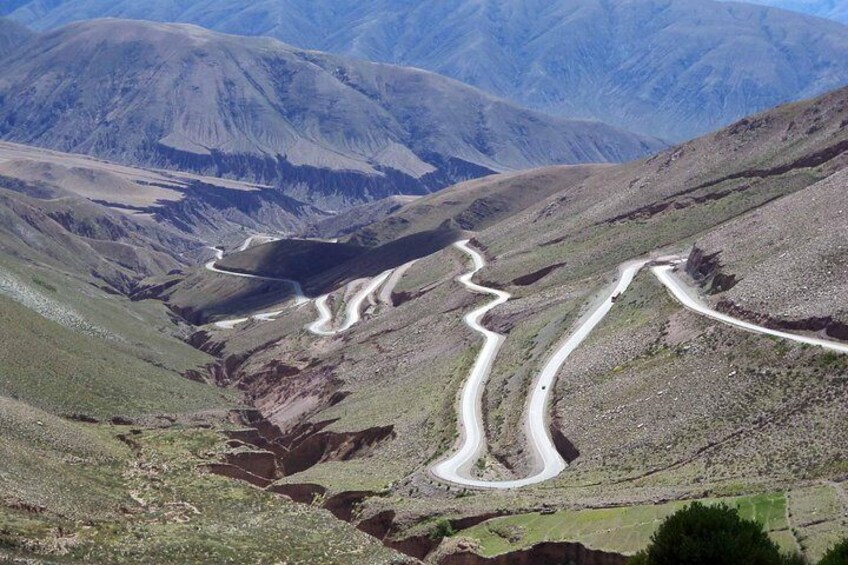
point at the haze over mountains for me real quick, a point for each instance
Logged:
(12, 35)
(670, 69)
(329, 130)
(831, 9)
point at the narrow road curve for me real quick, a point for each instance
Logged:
(388, 288)
(297, 290)
(322, 326)
(679, 291)
(456, 468)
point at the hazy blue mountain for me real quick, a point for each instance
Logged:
(12, 34)
(329, 129)
(830, 9)
(671, 68)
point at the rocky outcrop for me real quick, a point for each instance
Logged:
(548, 553)
(305, 493)
(343, 505)
(566, 449)
(258, 463)
(827, 324)
(279, 454)
(418, 547)
(705, 269)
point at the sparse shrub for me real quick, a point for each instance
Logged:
(44, 284)
(443, 529)
(836, 555)
(510, 532)
(715, 535)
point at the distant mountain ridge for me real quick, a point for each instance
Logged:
(12, 34)
(328, 130)
(669, 68)
(836, 10)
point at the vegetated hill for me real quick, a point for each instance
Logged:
(326, 129)
(612, 213)
(830, 9)
(671, 69)
(94, 386)
(659, 402)
(87, 238)
(217, 210)
(120, 224)
(92, 392)
(12, 35)
(785, 263)
(684, 192)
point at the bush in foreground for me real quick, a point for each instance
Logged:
(838, 554)
(711, 535)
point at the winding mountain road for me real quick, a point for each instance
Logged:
(297, 290)
(321, 326)
(457, 467)
(388, 288)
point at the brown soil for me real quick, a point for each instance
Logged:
(549, 553)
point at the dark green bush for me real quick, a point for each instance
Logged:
(443, 529)
(837, 555)
(710, 535)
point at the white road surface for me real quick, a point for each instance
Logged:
(297, 290)
(678, 289)
(394, 279)
(322, 326)
(456, 468)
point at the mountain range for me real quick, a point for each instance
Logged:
(261, 303)
(666, 68)
(830, 9)
(327, 129)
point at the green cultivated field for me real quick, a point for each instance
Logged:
(623, 530)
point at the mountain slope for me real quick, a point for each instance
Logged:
(672, 69)
(830, 9)
(326, 129)
(658, 403)
(216, 210)
(12, 35)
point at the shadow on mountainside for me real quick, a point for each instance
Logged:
(319, 266)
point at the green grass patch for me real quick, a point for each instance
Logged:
(63, 372)
(624, 530)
